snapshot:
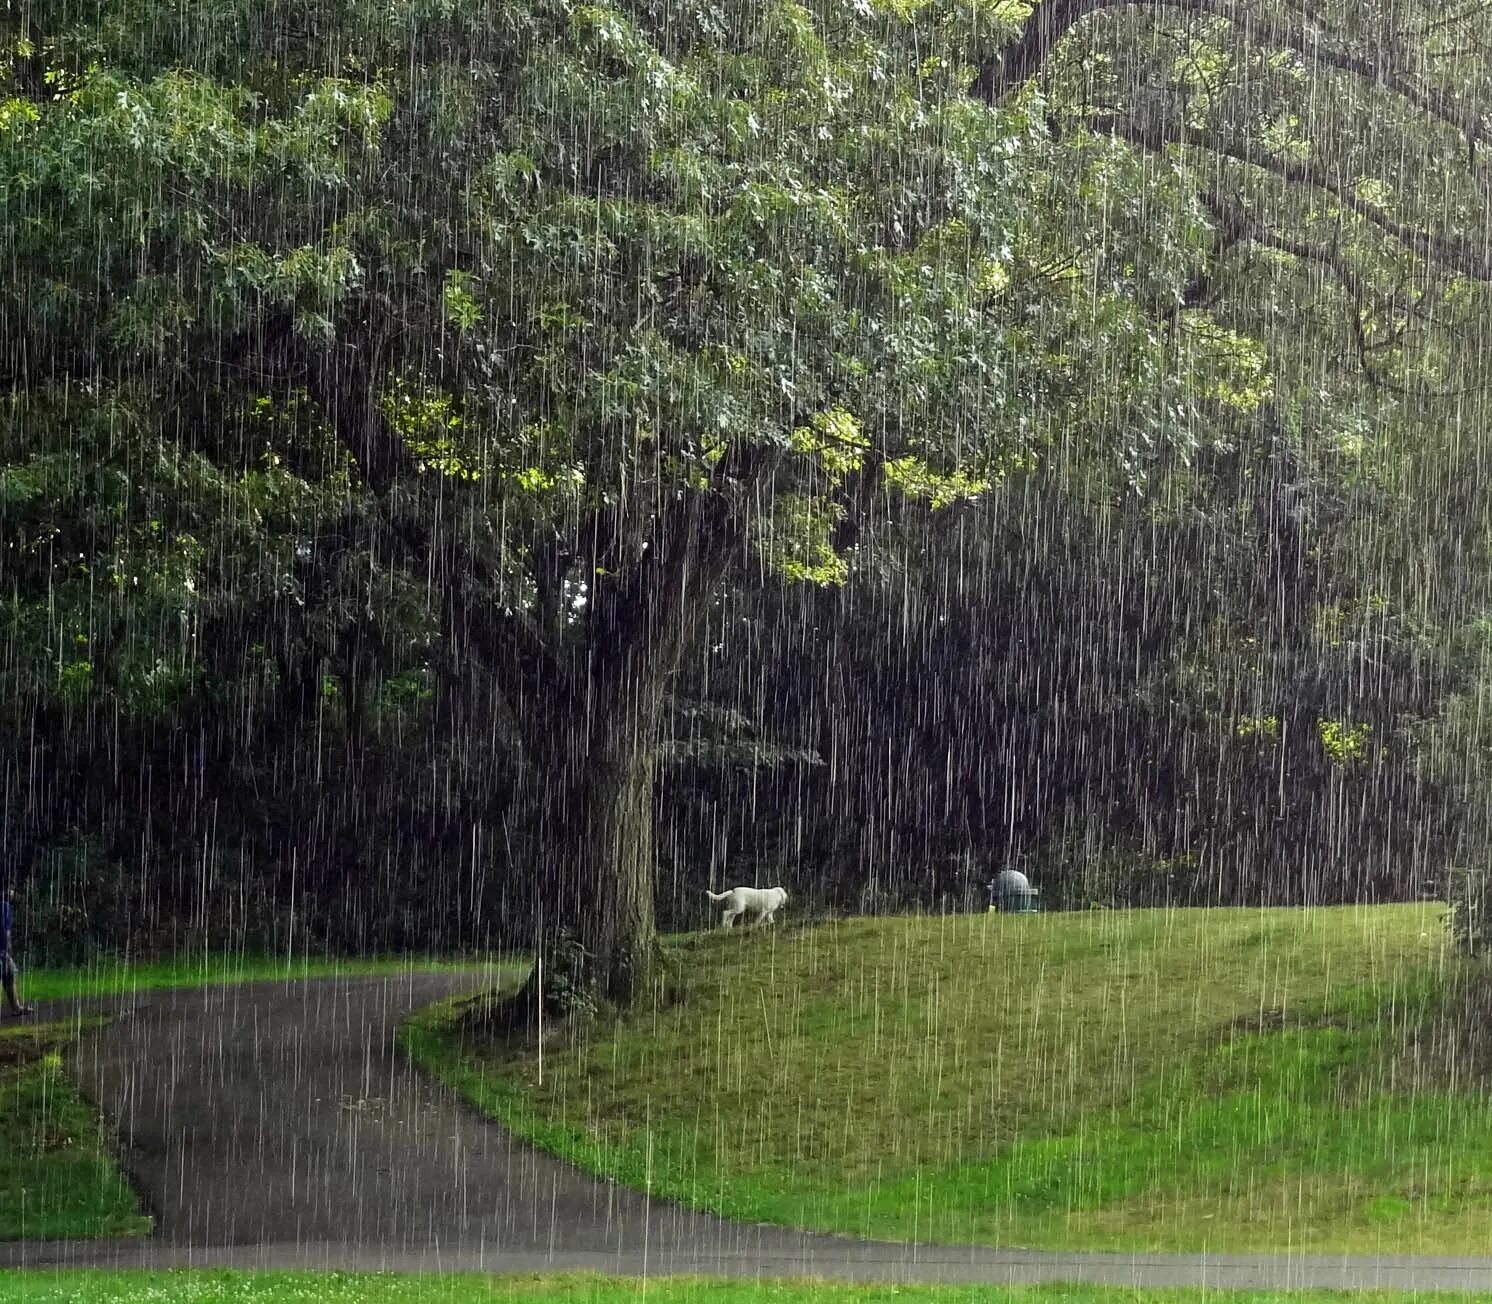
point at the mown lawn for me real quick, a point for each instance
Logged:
(220, 1287)
(112, 977)
(56, 1175)
(1135, 1080)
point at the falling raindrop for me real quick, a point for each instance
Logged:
(992, 493)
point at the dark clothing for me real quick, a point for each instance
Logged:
(7, 960)
(8, 968)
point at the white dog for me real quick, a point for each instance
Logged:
(764, 902)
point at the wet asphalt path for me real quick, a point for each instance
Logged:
(277, 1124)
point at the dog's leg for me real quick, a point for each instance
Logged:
(728, 918)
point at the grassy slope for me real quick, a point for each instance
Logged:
(205, 1287)
(58, 1177)
(1230, 1079)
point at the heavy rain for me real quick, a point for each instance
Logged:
(752, 649)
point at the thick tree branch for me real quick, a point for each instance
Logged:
(1201, 289)
(1231, 218)
(605, 541)
(1020, 61)
(341, 378)
(527, 668)
(1424, 244)
(707, 523)
(551, 559)
(523, 657)
(1001, 74)
(856, 498)
(641, 616)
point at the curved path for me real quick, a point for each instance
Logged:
(277, 1124)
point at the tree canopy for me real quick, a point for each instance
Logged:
(446, 365)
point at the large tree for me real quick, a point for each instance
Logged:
(592, 306)
(510, 333)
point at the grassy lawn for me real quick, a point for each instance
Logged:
(1133, 1080)
(207, 1287)
(113, 977)
(58, 1178)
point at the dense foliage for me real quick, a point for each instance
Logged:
(410, 411)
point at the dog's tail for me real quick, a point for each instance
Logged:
(716, 896)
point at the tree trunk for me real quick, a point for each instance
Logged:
(593, 726)
(596, 946)
(614, 920)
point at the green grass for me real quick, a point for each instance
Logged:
(222, 1287)
(58, 1179)
(114, 976)
(1128, 1080)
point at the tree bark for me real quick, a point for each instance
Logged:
(615, 920)
(595, 931)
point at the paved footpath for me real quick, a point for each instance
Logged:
(277, 1124)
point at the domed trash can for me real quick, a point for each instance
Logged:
(1011, 893)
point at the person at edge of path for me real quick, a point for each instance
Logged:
(8, 968)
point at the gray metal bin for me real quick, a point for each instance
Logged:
(1011, 893)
